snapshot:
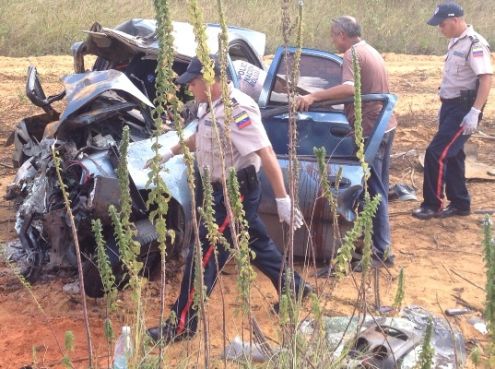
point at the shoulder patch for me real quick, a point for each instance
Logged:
(477, 51)
(242, 120)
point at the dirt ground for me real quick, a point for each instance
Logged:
(441, 258)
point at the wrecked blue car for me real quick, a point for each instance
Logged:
(118, 92)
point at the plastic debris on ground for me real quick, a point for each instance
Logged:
(238, 350)
(72, 288)
(13, 250)
(479, 324)
(402, 192)
(410, 326)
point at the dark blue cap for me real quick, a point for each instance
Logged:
(444, 11)
(195, 69)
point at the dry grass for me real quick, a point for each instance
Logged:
(40, 27)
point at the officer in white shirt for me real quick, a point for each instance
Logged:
(249, 150)
(463, 92)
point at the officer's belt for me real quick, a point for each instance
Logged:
(454, 99)
(247, 178)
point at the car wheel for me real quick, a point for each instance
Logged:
(150, 253)
(93, 285)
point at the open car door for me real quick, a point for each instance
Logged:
(325, 125)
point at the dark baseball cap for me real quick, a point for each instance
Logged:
(444, 11)
(195, 69)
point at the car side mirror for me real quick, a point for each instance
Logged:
(35, 93)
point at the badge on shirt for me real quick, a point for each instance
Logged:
(477, 52)
(242, 120)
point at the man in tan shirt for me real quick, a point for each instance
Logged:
(346, 35)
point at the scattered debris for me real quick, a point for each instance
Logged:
(402, 192)
(72, 288)
(12, 250)
(479, 324)
(383, 346)
(403, 337)
(385, 310)
(457, 311)
(238, 350)
(483, 135)
(408, 153)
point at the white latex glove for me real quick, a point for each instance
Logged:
(470, 121)
(283, 210)
(166, 156)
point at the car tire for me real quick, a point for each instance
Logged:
(93, 285)
(149, 255)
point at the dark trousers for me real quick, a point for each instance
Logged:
(444, 160)
(268, 257)
(378, 184)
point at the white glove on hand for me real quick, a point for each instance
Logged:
(164, 158)
(283, 210)
(470, 121)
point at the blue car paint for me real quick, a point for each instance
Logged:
(317, 129)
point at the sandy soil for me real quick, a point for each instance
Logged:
(441, 258)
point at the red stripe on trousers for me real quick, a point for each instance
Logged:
(206, 258)
(441, 164)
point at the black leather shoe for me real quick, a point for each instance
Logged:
(451, 211)
(167, 333)
(424, 213)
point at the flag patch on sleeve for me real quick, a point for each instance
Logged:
(242, 120)
(477, 52)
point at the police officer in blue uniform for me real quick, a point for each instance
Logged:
(251, 149)
(463, 92)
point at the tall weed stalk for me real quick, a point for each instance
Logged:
(108, 281)
(202, 53)
(166, 103)
(290, 299)
(75, 239)
(489, 256)
(129, 248)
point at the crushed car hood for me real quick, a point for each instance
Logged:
(82, 88)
